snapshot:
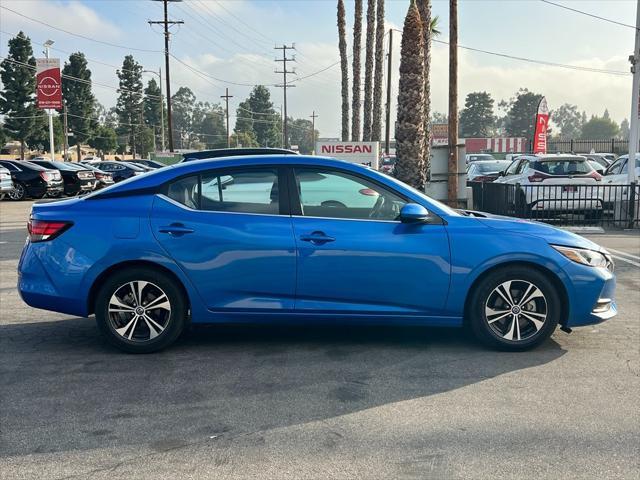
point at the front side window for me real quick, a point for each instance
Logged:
(336, 194)
(512, 168)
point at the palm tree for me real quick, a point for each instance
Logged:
(376, 121)
(344, 67)
(424, 7)
(355, 102)
(368, 70)
(410, 166)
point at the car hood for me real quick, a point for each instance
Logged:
(552, 235)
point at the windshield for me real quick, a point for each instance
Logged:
(389, 161)
(498, 166)
(563, 166)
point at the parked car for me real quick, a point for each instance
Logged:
(604, 159)
(142, 166)
(388, 164)
(234, 152)
(618, 172)
(554, 184)
(91, 159)
(229, 240)
(6, 184)
(486, 170)
(478, 157)
(121, 170)
(77, 179)
(103, 179)
(597, 166)
(31, 180)
(148, 163)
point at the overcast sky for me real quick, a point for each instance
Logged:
(233, 42)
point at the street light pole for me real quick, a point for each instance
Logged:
(48, 44)
(634, 132)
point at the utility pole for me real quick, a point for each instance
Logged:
(313, 132)
(66, 130)
(226, 97)
(47, 45)
(284, 85)
(452, 184)
(387, 125)
(634, 132)
(166, 22)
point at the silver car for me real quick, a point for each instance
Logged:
(6, 184)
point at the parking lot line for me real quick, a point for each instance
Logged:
(626, 260)
(624, 254)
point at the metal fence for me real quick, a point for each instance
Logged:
(568, 205)
(613, 145)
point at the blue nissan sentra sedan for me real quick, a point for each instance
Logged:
(302, 239)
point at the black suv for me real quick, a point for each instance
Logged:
(234, 152)
(76, 179)
(120, 170)
(31, 180)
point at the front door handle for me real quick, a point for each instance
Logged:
(317, 238)
(176, 229)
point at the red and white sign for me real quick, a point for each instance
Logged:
(542, 124)
(496, 145)
(365, 153)
(49, 85)
(439, 134)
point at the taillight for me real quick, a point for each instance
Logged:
(595, 175)
(43, 230)
(47, 176)
(538, 177)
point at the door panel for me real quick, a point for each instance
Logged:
(371, 266)
(237, 261)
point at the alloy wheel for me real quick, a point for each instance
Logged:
(516, 310)
(17, 193)
(139, 311)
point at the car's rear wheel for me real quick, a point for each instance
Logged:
(514, 308)
(19, 192)
(140, 310)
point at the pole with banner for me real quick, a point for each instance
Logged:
(49, 88)
(542, 125)
(634, 131)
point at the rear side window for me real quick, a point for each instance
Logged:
(250, 191)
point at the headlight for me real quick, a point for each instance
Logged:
(586, 257)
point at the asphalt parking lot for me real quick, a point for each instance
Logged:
(317, 403)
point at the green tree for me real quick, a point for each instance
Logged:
(344, 70)
(79, 99)
(477, 118)
(600, 128)
(17, 98)
(378, 76)
(209, 122)
(104, 139)
(302, 135)
(568, 119)
(521, 113)
(3, 136)
(152, 108)
(129, 104)
(410, 165)
(624, 129)
(244, 139)
(39, 136)
(256, 115)
(183, 101)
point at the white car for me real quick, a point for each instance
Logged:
(618, 172)
(554, 183)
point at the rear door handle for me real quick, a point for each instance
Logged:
(176, 229)
(317, 238)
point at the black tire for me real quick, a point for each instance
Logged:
(532, 335)
(156, 281)
(19, 192)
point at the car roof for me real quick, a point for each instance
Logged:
(25, 163)
(234, 152)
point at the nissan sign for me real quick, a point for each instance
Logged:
(49, 86)
(366, 153)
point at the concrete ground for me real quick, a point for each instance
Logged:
(321, 403)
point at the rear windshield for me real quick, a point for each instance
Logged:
(566, 166)
(491, 166)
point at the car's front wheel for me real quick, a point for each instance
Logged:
(19, 192)
(514, 308)
(140, 310)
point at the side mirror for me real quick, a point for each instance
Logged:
(413, 213)
(501, 173)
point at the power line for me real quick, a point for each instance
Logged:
(78, 35)
(615, 22)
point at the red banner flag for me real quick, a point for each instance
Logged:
(542, 125)
(49, 86)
